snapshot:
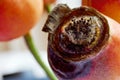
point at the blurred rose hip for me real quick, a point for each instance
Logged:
(48, 2)
(107, 7)
(17, 17)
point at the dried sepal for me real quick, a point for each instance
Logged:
(55, 17)
(82, 34)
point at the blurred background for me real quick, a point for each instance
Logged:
(16, 61)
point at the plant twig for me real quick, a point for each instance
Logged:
(48, 8)
(36, 55)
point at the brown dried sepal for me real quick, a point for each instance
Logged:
(81, 34)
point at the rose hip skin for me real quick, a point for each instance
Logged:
(107, 7)
(103, 60)
(106, 65)
(65, 69)
(17, 17)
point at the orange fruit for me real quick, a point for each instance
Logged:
(48, 2)
(17, 17)
(107, 7)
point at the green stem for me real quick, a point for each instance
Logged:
(36, 55)
(48, 8)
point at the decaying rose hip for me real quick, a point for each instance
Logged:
(78, 44)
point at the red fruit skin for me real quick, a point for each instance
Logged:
(106, 66)
(48, 2)
(17, 17)
(107, 7)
